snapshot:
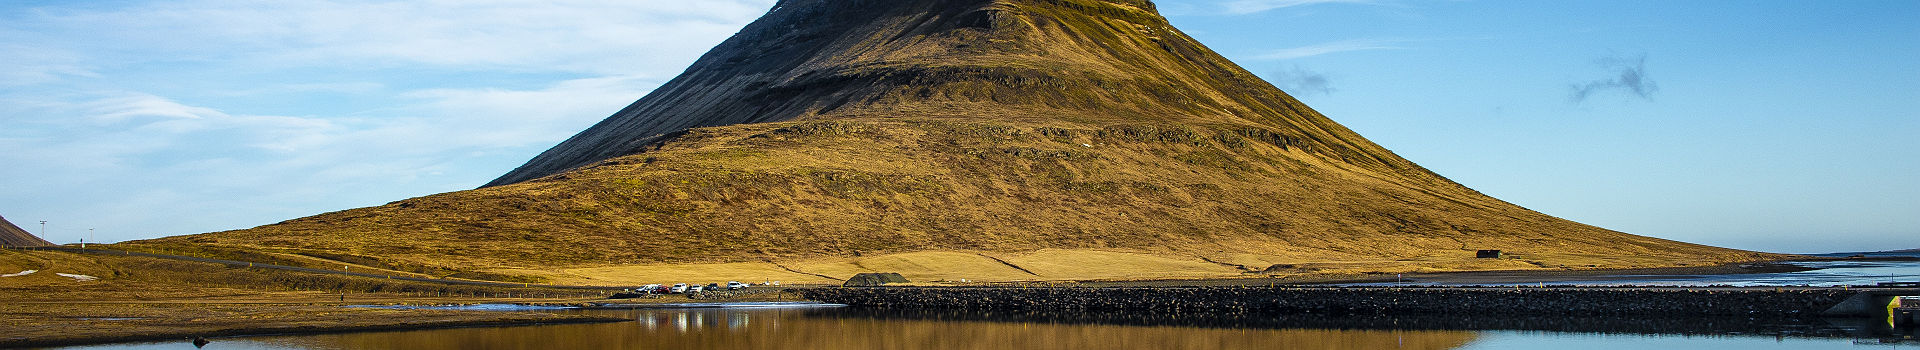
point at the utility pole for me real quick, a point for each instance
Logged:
(43, 229)
(83, 242)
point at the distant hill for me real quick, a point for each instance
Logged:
(13, 236)
(1042, 139)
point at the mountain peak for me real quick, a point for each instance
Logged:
(1077, 60)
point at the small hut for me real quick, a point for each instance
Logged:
(874, 279)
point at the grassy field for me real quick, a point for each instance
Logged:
(46, 324)
(145, 299)
(1085, 265)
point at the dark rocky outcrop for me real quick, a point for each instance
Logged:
(1755, 302)
(874, 279)
(1635, 324)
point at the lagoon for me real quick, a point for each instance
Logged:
(812, 326)
(826, 327)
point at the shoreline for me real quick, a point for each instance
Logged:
(187, 336)
(71, 322)
(133, 318)
(1761, 302)
(440, 317)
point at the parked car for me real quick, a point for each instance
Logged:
(711, 287)
(736, 285)
(694, 289)
(653, 289)
(678, 288)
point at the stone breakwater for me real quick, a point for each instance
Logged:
(1671, 302)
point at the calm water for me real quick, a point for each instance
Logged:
(848, 328)
(820, 327)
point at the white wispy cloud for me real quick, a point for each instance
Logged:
(537, 117)
(1240, 7)
(134, 105)
(148, 118)
(509, 34)
(1331, 47)
(130, 148)
(28, 65)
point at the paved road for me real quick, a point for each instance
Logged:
(321, 271)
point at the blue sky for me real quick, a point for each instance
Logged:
(1771, 125)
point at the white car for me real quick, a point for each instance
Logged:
(695, 289)
(678, 288)
(736, 285)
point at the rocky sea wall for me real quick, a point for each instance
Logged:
(1669, 302)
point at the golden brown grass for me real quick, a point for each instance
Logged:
(122, 278)
(972, 267)
(137, 298)
(635, 275)
(827, 193)
(29, 324)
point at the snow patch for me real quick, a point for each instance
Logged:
(22, 273)
(82, 278)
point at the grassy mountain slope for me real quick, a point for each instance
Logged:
(1036, 61)
(13, 236)
(807, 192)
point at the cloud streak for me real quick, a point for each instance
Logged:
(1329, 48)
(146, 118)
(33, 65)
(1628, 75)
(504, 34)
(1241, 7)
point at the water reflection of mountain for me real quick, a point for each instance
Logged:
(841, 329)
(856, 329)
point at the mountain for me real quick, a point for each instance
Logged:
(942, 139)
(1035, 61)
(13, 236)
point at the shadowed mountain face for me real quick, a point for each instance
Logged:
(13, 236)
(934, 134)
(1048, 60)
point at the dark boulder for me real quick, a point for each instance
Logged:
(874, 279)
